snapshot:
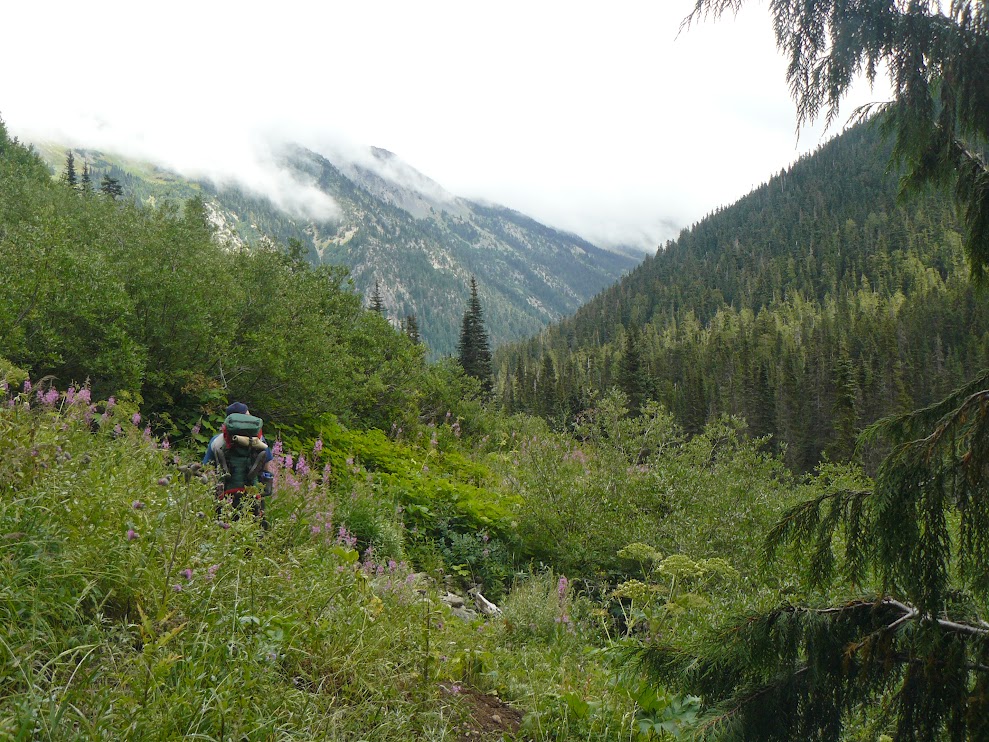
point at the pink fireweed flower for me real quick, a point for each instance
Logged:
(211, 572)
(187, 573)
(117, 430)
(27, 386)
(350, 461)
(136, 419)
(111, 403)
(137, 505)
(147, 432)
(196, 428)
(84, 396)
(561, 587)
(315, 529)
(165, 445)
(317, 446)
(288, 462)
(301, 467)
(70, 395)
(132, 535)
(177, 588)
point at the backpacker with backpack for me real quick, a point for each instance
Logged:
(240, 453)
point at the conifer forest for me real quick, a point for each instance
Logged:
(740, 494)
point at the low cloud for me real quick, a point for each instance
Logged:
(230, 157)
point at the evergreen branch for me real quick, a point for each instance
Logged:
(912, 425)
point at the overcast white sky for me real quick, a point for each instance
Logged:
(590, 116)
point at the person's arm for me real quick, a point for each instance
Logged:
(209, 457)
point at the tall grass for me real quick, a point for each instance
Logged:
(129, 609)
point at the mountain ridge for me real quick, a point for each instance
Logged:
(400, 229)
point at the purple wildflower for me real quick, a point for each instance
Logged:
(211, 572)
(301, 467)
(117, 430)
(561, 587)
(137, 505)
(165, 445)
(84, 396)
(187, 573)
(177, 588)
(132, 535)
(136, 419)
(111, 403)
(70, 395)
(288, 462)
(276, 450)
(27, 386)
(197, 427)
(317, 447)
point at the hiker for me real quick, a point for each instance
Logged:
(242, 458)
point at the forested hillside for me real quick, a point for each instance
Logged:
(395, 228)
(136, 605)
(810, 308)
(635, 556)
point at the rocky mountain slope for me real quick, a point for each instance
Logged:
(395, 226)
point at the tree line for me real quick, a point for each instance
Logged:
(814, 306)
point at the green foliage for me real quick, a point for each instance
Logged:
(808, 309)
(146, 301)
(473, 350)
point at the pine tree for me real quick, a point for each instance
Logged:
(111, 187)
(632, 377)
(69, 176)
(907, 649)
(377, 303)
(410, 326)
(473, 348)
(938, 62)
(86, 183)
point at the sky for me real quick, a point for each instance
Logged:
(604, 119)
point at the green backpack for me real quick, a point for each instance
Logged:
(241, 452)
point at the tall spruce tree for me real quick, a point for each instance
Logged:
(904, 650)
(474, 351)
(632, 377)
(111, 187)
(377, 303)
(86, 182)
(410, 326)
(69, 174)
